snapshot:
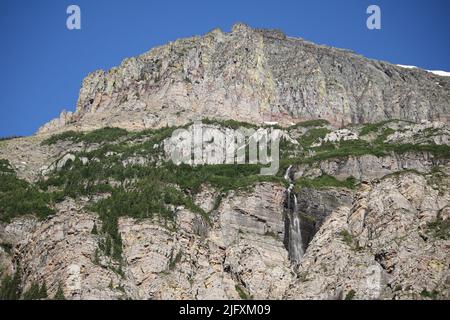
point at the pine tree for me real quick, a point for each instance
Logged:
(10, 287)
(33, 292)
(59, 295)
(43, 292)
(94, 229)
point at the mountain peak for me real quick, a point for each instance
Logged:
(252, 75)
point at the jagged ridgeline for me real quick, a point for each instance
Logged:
(254, 76)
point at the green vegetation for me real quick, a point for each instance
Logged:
(430, 132)
(94, 230)
(175, 260)
(144, 199)
(153, 189)
(372, 127)
(439, 151)
(232, 124)
(329, 150)
(59, 295)
(146, 191)
(242, 294)
(149, 190)
(350, 240)
(356, 148)
(97, 136)
(312, 136)
(325, 181)
(308, 218)
(350, 295)
(67, 135)
(401, 173)
(10, 287)
(7, 247)
(223, 177)
(36, 292)
(130, 168)
(383, 136)
(18, 197)
(375, 127)
(346, 237)
(310, 123)
(5, 167)
(439, 228)
(430, 295)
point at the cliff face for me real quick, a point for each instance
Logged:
(255, 76)
(235, 250)
(359, 212)
(363, 218)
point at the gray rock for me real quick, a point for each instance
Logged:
(255, 76)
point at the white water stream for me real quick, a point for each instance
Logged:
(295, 241)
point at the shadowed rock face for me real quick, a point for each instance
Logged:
(254, 76)
(316, 206)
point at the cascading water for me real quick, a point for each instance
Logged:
(294, 239)
(287, 176)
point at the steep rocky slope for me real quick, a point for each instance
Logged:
(363, 218)
(93, 207)
(255, 76)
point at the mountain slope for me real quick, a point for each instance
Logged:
(94, 207)
(105, 215)
(255, 76)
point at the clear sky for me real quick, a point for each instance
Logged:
(42, 63)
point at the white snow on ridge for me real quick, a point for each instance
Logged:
(436, 72)
(406, 67)
(440, 73)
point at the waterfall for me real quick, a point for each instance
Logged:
(287, 174)
(295, 235)
(294, 240)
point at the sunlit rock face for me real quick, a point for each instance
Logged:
(256, 76)
(359, 209)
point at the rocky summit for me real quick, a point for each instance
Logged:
(94, 207)
(254, 76)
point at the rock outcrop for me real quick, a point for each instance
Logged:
(255, 76)
(239, 252)
(381, 247)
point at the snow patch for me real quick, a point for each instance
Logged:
(440, 73)
(407, 67)
(436, 72)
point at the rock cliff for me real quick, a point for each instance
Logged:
(255, 76)
(92, 207)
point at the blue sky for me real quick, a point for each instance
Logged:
(42, 63)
